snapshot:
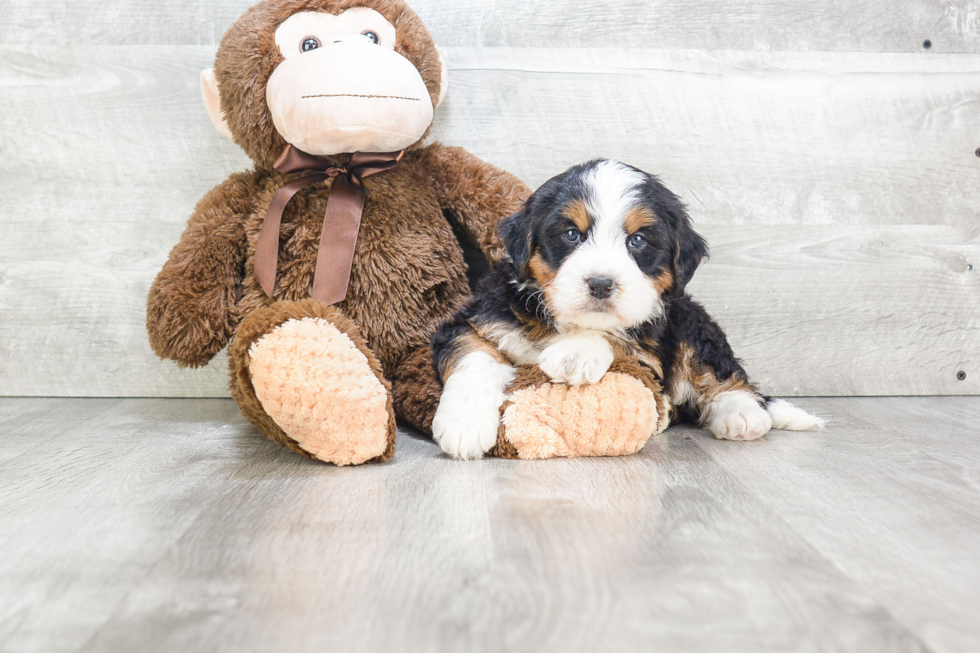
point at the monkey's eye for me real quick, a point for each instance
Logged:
(309, 43)
(372, 37)
(637, 241)
(572, 235)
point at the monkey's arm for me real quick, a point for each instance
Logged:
(477, 194)
(191, 311)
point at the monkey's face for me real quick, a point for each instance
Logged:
(343, 88)
(325, 76)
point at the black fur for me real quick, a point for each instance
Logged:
(688, 249)
(516, 233)
(497, 300)
(689, 324)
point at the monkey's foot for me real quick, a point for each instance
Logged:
(614, 417)
(316, 387)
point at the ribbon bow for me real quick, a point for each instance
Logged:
(342, 219)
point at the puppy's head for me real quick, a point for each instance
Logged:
(605, 243)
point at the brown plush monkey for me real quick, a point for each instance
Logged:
(328, 271)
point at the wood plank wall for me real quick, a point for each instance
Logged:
(828, 156)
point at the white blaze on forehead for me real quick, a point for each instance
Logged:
(611, 189)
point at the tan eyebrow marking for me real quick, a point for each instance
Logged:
(578, 213)
(638, 218)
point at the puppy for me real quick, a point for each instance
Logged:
(598, 261)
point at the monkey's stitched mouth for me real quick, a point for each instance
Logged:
(380, 97)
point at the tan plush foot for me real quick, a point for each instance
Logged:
(614, 417)
(319, 388)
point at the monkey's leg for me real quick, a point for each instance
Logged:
(416, 389)
(614, 417)
(302, 373)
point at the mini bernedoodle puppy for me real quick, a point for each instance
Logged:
(598, 261)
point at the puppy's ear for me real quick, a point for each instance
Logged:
(691, 249)
(517, 235)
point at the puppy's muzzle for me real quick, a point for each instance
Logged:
(601, 287)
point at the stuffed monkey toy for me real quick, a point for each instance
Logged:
(329, 265)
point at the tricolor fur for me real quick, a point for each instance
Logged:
(598, 261)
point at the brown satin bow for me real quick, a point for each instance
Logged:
(342, 219)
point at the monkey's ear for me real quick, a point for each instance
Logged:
(444, 78)
(212, 102)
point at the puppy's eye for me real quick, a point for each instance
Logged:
(572, 235)
(372, 37)
(309, 43)
(637, 241)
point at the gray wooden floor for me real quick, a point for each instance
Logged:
(171, 525)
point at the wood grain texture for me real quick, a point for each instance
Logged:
(834, 310)
(744, 138)
(171, 525)
(117, 497)
(915, 504)
(108, 156)
(838, 191)
(830, 25)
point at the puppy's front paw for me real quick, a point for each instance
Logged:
(465, 432)
(577, 360)
(466, 421)
(737, 415)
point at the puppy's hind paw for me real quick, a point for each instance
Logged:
(737, 415)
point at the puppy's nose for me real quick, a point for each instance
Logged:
(601, 287)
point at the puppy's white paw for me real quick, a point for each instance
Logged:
(578, 359)
(466, 421)
(465, 431)
(737, 416)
